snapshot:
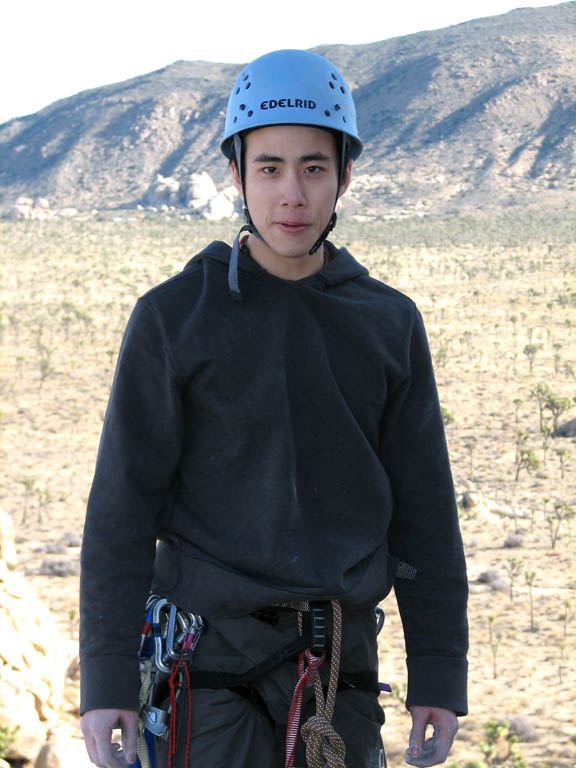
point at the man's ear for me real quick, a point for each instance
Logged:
(346, 179)
(236, 176)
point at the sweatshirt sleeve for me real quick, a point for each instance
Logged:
(139, 451)
(425, 535)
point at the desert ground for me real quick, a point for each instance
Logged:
(498, 295)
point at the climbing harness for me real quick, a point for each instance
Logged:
(168, 640)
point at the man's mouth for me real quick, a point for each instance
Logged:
(292, 227)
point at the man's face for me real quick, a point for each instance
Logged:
(291, 180)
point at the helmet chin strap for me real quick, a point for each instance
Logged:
(324, 235)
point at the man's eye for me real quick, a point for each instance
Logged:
(314, 169)
(268, 170)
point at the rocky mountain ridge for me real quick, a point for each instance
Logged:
(477, 115)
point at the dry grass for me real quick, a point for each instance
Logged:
(487, 290)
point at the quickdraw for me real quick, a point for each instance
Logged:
(168, 640)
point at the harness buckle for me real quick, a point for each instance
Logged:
(317, 630)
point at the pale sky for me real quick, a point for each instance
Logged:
(50, 50)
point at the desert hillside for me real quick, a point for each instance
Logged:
(498, 295)
(477, 115)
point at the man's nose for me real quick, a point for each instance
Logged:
(293, 191)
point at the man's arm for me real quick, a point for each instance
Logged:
(424, 533)
(139, 451)
(97, 727)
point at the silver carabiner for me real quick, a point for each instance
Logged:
(157, 630)
(171, 639)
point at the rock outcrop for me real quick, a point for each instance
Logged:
(473, 503)
(29, 208)
(63, 750)
(33, 657)
(37, 209)
(199, 194)
(568, 429)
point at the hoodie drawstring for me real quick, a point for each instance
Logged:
(233, 283)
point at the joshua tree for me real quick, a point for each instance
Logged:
(540, 394)
(567, 605)
(44, 499)
(531, 350)
(546, 435)
(29, 484)
(497, 737)
(560, 514)
(470, 446)
(513, 568)
(44, 363)
(494, 643)
(557, 406)
(557, 358)
(562, 453)
(530, 576)
(525, 457)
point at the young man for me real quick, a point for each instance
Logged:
(273, 459)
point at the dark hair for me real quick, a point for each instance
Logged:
(339, 137)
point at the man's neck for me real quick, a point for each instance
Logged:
(286, 267)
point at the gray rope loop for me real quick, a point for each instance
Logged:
(324, 747)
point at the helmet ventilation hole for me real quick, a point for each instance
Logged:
(250, 113)
(242, 107)
(237, 91)
(342, 89)
(337, 107)
(331, 84)
(327, 112)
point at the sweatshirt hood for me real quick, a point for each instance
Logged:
(341, 267)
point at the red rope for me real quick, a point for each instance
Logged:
(189, 721)
(307, 670)
(173, 685)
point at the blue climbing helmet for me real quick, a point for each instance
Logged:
(291, 87)
(288, 87)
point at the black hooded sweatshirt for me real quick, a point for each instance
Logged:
(289, 445)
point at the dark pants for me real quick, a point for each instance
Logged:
(246, 726)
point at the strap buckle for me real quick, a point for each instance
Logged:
(318, 639)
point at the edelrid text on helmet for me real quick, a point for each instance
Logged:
(291, 87)
(295, 104)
